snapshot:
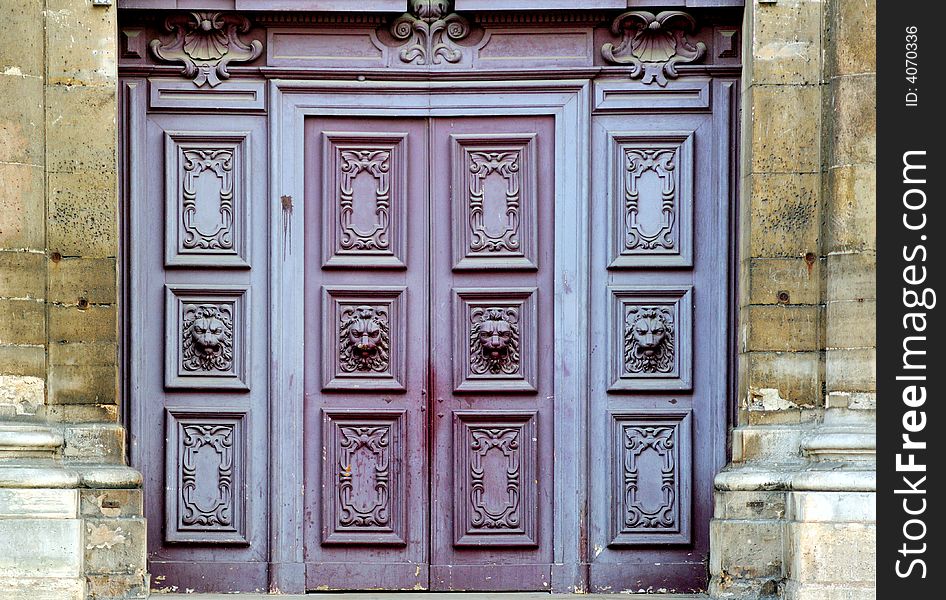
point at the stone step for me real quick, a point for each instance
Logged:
(432, 596)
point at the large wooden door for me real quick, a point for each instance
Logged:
(428, 354)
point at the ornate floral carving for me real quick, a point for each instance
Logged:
(377, 164)
(220, 163)
(648, 339)
(494, 340)
(206, 42)
(363, 497)
(207, 337)
(482, 164)
(429, 31)
(196, 510)
(486, 512)
(638, 439)
(639, 161)
(364, 339)
(653, 45)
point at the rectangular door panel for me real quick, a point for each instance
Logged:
(366, 343)
(492, 208)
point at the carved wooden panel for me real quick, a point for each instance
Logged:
(329, 47)
(560, 46)
(651, 338)
(495, 478)
(364, 195)
(652, 199)
(363, 488)
(495, 339)
(206, 185)
(650, 473)
(206, 337)
(364, 338)
(206, 479)
(494, 201)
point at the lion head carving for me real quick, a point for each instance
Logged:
(207, 337)
(494, 340)
(648, 339)
(364, 339)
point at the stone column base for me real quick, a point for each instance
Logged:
(67, 532)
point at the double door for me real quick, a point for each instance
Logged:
(429, 352)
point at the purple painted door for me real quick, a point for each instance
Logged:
(428, 380)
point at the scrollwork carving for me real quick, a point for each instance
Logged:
(220, 163)
(364, 503)
(485, 514)
(639, 161)
(207, 337)
(661, 441)
(377, 164)
(653, 44)
(482, 164)
(364, 339)
(649, 339)
(206, 42)
(196, 510)
(494, 340)
(428, 33)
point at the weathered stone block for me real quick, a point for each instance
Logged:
(831, 552)
(785, 380)
(80, 44)
(22, 275)
(851, 208)
(21, 120)
(842, 591)
(22, 201)
(29, 361)
(22, 322)
(786, 215)
(42, 588)
(854, 120)
(83, 373)
(21, 395)
(785, 328)
(111, 504)
(785, 280)
(851, 27)
(852, 276)
(114, 546)
(786, 45)
(38, 503)
(749, 506)
(24, 22)
(74, 324)
(765, 443)
(786, 129)
(851, 370)
(40, 547)
(832, 507)
(852, 324)
(94, 442)
(81, 113)
(83, 214)
(73, 280)
(82, 413)
(118, 586)
(746, 549)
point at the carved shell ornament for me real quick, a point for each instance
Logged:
(653, 44)
(206, 42)
(428, 33)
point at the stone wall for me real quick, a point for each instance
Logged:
(71, 521)
(795, 509)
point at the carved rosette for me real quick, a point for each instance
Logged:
(377, 163)
(206, 43)
(494, 340)
(364, 339)
(639, 161)
(648, 339)
(220, 163)
(660, 441)
(428, 33)
(217, 511)
(364, 499)
(653, 44)
(207, 338)
(482, 164)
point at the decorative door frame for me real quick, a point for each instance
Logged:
(291, 101)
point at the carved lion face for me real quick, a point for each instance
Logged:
(494, 340)
(648, 340)
(207, 337)
(364, 339)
